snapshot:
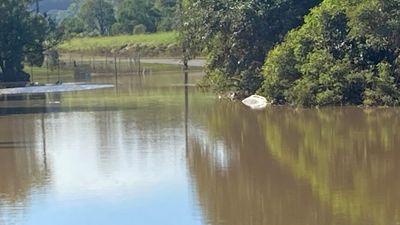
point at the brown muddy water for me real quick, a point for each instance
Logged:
(153, 151)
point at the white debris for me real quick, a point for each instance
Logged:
(255, 102)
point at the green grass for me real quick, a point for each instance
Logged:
(115, 42)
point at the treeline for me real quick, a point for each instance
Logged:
(112, 17)
(343, 52)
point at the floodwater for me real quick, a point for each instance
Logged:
(154, 151)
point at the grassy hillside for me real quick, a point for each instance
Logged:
(149, 44)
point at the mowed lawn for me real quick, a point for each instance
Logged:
(113, 42)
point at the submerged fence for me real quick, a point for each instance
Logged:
(105, 64)
(67, 67)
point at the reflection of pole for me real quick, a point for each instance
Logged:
(44, 142)
(186, 110)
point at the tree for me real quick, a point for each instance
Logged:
(72, 26)
(22, 37)
(236, 35)
(347, 52)
(168, 19)
(98, 15)
(131, 13)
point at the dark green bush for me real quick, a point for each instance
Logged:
(347, 52)
(139, 29)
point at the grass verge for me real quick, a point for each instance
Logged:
(165, 43)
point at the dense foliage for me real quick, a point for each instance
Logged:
(24, 35)
(97, 15)
(236, 35)
(347, 52)
(113, 17)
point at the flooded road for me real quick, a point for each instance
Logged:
(154, 151)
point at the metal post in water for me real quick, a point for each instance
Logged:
(116, 74)
(185, 64)
(105, 67)
(130, 64)
(186, 80)
(119, 63)
(32, 72)
(58, 70)
(47, 69)
(139, 69)
(115, 67)
(94, 64)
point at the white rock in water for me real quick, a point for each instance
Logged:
(255, 102)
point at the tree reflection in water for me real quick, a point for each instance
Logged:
(287, 166)
(23, 167)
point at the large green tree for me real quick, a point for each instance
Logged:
(347, 52)
(236, 35)
(72, 26)
(132, 13)
(22, 37)
(104, 17)
(98, 15)
(168, 19)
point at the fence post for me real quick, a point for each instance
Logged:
(47, 69)
(119, 63)
(32, 72)
(105, 67)
(115, 66)
(58, 71)
(138, 59)
(93, 64)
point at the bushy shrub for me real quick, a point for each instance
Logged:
(117, 28)
(139, 29)
(347, 52)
